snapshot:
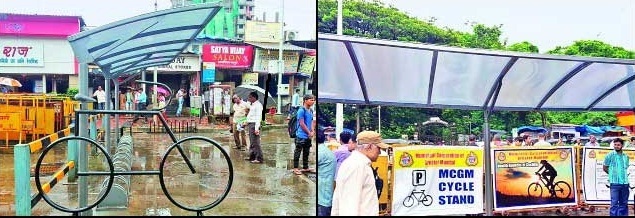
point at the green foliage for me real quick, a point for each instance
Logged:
(71, 92)
(523, 47)
(593, 48)
(374, 19)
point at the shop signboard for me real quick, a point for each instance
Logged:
(258, 31)
(181, 64)
(21, 54)
(432, 180)
(518, 180)
(250, 79)
(263, 57)
(228, 56)
(209, 72)
(595, 181)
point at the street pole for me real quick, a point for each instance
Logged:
(339, 107)
(280, 64)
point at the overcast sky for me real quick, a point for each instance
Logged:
(299, 14)
(545, 23)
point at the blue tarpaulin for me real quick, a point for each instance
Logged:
(586, 130)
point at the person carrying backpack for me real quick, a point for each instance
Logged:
(304, 133)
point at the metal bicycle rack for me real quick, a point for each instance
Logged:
(117, 198)
(115, 188)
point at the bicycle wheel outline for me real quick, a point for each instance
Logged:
(567, 186)
(423, 201)
(38, 183)
(537, 186)
(411, 200)
(224, 154)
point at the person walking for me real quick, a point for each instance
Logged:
(355, 193)
(616, 165)
(326, 172)
(239, 117)
(254, 118)
(129, 101)
(180, 95)
(206, 102)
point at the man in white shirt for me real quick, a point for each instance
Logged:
(541, 140)
(355, 193)
(254, 118)
(101, 98)
(592, 142)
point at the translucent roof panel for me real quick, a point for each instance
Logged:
(403, 74)
(128, 45)
(341, 83)
(588, 84)
(381, 79)
(528, 80)
(461, 78)
(623, 96)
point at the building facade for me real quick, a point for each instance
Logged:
(36, 52)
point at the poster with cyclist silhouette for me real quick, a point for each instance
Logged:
(433, 180)
(533, 177)
(595, 181)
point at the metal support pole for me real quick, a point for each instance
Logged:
(155, 93)
(143, 78)
(43, 83)
(22, 169)
(280, 63)
(117, 106)
(339, 107)
(106, 123)
(489, 189)
(339, 119)
(83, 153)
(379, 116)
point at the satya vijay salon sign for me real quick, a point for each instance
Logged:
(433, 180)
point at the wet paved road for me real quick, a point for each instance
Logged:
(258, 189)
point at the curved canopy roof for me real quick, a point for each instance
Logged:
(381, 72)
(147, 40)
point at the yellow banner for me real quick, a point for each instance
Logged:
(10, 122)
(425, 156)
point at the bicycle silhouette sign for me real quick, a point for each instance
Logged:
(419, 197)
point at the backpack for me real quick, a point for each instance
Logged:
(293, 123)
(379, 183)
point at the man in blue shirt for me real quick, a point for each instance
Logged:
(616, 165)
(304, 133)
(326, 174)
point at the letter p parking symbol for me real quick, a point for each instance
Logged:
(418, 177)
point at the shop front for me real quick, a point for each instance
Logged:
(184, 72)
(35, 51)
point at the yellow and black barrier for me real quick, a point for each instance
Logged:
(37, 145)
(57, 177)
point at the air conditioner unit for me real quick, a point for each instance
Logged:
(290, 35)
(194, 48)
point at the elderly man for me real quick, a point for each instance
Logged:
(355, 193)
(238, 119)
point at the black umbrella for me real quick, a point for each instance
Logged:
(243, 91)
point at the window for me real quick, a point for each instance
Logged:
(241, 17)
(240, 26)
(242, 6)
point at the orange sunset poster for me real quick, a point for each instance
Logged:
(521, 178)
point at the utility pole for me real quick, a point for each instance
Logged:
(280, 64)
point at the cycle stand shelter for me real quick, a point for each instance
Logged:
(366, 71)
(127, 47)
